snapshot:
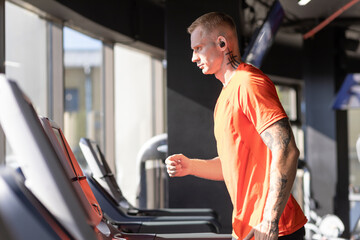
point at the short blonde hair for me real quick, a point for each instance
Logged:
(211, 21)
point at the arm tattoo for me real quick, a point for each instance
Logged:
(276, 191)
(232, 60)
(274, 227)
(278, 136)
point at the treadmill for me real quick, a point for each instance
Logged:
(101, 176)
(39, 162)
(23, 216)
(47, 180)
(133, 224)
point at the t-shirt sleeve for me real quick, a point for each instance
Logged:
(259, 101)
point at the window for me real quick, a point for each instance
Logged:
(83, 93)
(26, 57)
(139, 111)
(288, 98)
(26, 54)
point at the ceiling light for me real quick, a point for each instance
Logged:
(303, 2)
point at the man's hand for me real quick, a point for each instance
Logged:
(178, 165)
(264, 231)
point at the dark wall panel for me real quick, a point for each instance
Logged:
(138, 19)
(284, 61)
(353, 64)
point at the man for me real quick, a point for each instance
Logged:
(257, 152)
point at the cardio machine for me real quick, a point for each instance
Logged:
(47, 179)
(134, 224)
(103, 181)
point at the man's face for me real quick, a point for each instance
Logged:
(206, 53)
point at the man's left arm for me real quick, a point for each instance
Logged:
(280, 140)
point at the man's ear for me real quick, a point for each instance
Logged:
(222, 42)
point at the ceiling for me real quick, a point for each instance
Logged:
(316, 9)
(308, 16)
(301, 19)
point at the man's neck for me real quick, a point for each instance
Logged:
(228, 76)
(231, 63)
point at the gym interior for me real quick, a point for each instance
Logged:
(119, 73)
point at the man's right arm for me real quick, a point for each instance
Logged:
(179, 165)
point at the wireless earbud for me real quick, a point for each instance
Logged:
(222, 44)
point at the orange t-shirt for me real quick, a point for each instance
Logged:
(246, 107)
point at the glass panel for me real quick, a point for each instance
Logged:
(299, 139)
(26, 57)
(26, 54)
(133, 114)
(288, 99)
(83, 115)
